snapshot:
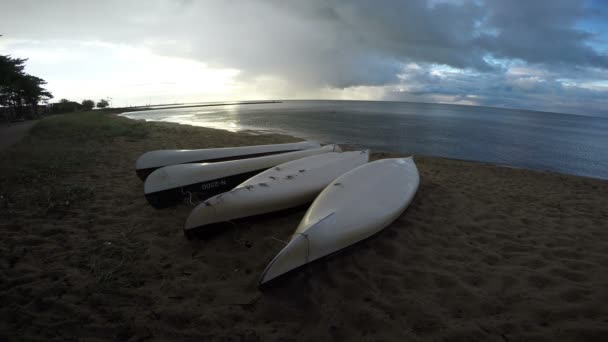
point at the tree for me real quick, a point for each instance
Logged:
(32, 92)
(102, 104)
(19, 89)
(88, 104)
(64, 101)
(11, 70)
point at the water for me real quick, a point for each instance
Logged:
(535, 140)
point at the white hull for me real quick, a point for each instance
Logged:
(285, 186)
(352, 208)
(150, 161)
(170, 184)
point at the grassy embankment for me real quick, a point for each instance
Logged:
(34, 171)
(35, 174)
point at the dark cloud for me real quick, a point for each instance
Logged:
(540, 32)
(523, 88)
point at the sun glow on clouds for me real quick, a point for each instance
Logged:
(129, 75)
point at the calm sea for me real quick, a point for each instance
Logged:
(535, 140)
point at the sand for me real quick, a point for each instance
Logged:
(483, 253)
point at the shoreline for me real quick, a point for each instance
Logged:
(352, 147)
(482, 253)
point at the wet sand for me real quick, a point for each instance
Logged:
(483, 253)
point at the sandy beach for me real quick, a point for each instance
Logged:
(484, 253)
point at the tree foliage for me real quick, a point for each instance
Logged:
(88, 104)
(102, 103)
(18, 88)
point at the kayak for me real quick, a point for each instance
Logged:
(150, 161)
(353, 207)
(171, 184)
(286, 186)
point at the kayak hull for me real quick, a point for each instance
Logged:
(153, 160)
(286, 186)
(171, 184)
(352, 208)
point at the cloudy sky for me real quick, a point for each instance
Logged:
(547, 55)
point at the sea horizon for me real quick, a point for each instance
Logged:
(256, 101)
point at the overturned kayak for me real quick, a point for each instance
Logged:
(353, 207)
(150, 161)
(171, 184)
(285, 186)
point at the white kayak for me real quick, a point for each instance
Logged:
(170, 184)
(285, 186)
(353, 207)
(150, 161)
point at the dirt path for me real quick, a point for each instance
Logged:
(13, 133)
